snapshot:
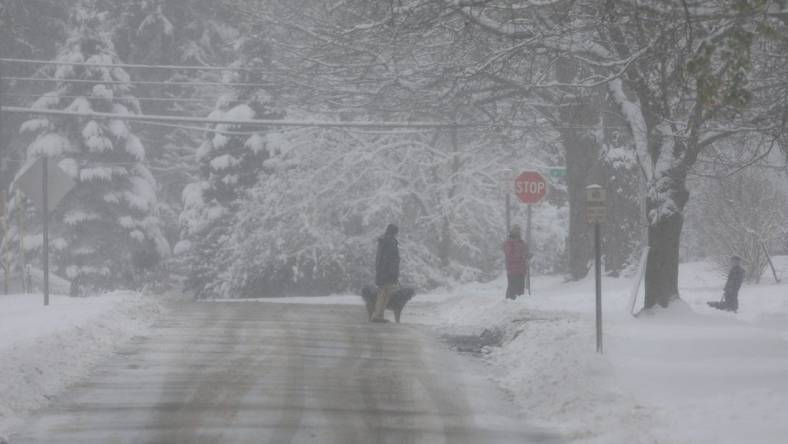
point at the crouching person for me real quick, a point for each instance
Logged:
(386, 270)
(730, 294)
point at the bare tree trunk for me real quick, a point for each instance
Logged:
(445, 248)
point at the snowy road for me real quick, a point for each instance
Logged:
(281, 373)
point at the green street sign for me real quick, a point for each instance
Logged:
(557, 172)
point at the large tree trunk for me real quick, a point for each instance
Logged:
(577, 116)
(582, 154)
(667, 197)
(662, 271)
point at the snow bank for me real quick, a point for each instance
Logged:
(689, 374)
(43, 350)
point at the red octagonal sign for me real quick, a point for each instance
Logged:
(530, 187)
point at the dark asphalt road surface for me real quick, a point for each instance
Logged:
(251, 372)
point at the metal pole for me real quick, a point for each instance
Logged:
(4, 254)
(528, 256)
(7, 222)
(598, 272)
(45, 246)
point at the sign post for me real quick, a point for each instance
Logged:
(596, 213)
(530, 187)
(45, 245)
(4, 259)
(46, 185)
(528, 259)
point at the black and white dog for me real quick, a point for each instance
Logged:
(397, 301)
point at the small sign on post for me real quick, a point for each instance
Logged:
(530, 187)
(596, 205)
(46, 185)
(58, 184)
(557, 172)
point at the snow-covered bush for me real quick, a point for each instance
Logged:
(743, 215)
(311, 223)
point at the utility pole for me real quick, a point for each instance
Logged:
(4, 198)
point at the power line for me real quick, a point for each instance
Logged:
(199, 128)
(417, 125)
(129, 65)
(147, 99)
(140, 82)
(253, 122)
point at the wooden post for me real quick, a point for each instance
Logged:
(508, 213)
(771, 265)
(45, 211)
(20, 218)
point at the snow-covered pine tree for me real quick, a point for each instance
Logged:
(107, 229)
(229, 165)
(173, 32)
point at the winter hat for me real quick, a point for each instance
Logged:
(392, 230)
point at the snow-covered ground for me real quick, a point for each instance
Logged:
(688, 374)
(43, 350)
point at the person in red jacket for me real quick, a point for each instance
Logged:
(516, 252)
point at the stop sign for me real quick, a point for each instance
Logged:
(530, 187)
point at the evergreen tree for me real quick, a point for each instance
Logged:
(173, 32)
(107, 229)
(229, 165)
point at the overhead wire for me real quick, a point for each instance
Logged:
(146, 99)
(138, 82)
(152, 118)
(251, 122)
(130, 65)
(411, 125)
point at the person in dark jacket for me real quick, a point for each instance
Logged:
(516, 254)
(730, 294)
(386, 270)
